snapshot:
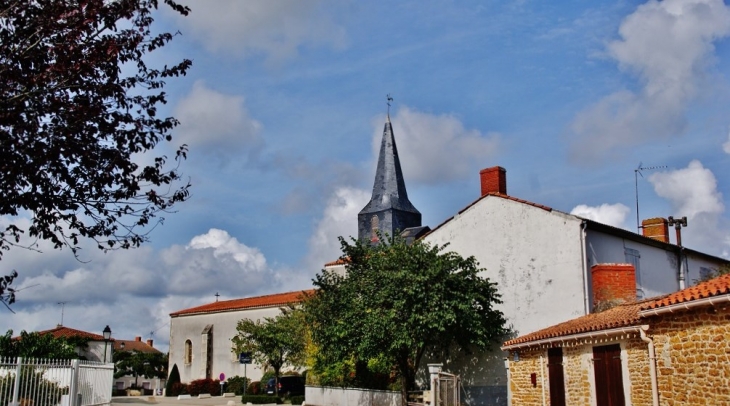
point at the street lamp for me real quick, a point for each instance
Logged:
(107, 335)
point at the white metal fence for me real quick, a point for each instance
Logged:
(44, 382)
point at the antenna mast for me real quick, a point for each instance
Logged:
(63, 305)
(637, 172)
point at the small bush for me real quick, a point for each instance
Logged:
(254, 388)
(176, 389)
(297, 400)
(199, 386)
(260, 399)
(237, 384)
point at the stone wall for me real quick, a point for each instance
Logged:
(693, 356)
(522, 391)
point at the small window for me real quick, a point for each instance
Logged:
(375, 226)
(188, 352)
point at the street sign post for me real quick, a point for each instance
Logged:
(222, 378)
(245, 359)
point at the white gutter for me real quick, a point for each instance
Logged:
(687, 305)
(574, 337)
(584, 264)
(652, 365)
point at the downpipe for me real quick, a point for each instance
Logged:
(652, 365)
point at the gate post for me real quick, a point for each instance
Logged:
(73, 389)
(434, 370)
(16, 385)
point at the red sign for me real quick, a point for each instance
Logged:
(222, 377)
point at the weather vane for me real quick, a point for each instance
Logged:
(390, 99)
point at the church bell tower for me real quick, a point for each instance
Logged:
(389, 210)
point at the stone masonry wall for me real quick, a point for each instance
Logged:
(693, 356)
(576, 367)
(523, 393)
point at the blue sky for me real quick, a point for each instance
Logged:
(284, 107)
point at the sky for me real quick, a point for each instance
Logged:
(283, 112)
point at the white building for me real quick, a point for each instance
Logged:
(156, 385)
(200, 337)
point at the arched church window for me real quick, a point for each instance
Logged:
(374, 227)
(188, 352)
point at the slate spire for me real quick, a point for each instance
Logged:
(389, 209)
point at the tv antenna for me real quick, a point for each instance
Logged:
(63, 305)
(637, 173)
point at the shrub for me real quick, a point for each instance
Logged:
(297, 400)
(199, 386)
(254, 388)
(177, 389)
(47, 393)
(172, 380)
(237, 384)
(260, 399)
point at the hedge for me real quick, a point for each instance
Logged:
(297, 400)
(260, 399)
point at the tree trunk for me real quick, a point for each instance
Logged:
(403, 390)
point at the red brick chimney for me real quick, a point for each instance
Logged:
(149, 342)
(613, 284)
(138, 338)
(655, 228)
(493, 180)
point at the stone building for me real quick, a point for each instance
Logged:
(668, 350)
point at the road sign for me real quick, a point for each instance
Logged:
(244, 358)
(222, 377)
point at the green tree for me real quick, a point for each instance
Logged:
(136, 364)
(78, 106)
(399, 302)
(274, 343)
(34, 345)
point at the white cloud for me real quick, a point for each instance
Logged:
(215, 122)
(276, 29)
(668, 45)
(436, 148)
(611, 214)
(726, 145)
(692, 192)
(339, 219)
(136, 289)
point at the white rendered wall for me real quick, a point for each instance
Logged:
(224, 324)
(534, 256)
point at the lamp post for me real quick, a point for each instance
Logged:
(107, 335)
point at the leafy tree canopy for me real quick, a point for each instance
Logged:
(399, 302)
(35, 345)
(136, 364)
(276, 342)
(78, 106)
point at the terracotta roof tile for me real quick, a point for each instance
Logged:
(63, 331)
(340, 261)
(133, 345)
(620, 316)
(713, 287)
(277, 299)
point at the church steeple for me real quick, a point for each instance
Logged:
(389, 210)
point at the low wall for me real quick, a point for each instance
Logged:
(329, 396)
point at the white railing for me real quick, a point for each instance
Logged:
(44, 382)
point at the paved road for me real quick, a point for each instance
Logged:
(173, 401)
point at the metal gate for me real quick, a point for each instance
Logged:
(448, 390)
(44, 382)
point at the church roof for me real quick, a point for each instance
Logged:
(277, 299)
(389, 189)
